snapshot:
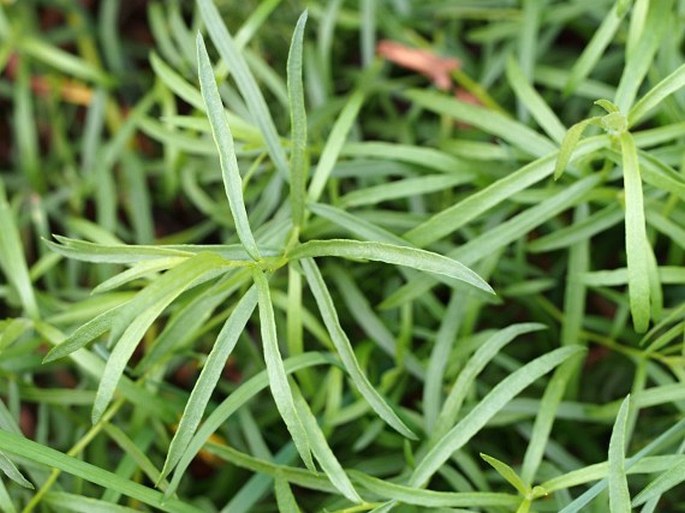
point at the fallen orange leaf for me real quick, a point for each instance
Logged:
(433, 66)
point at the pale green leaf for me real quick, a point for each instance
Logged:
(298, 124)
(534, 103)
(224, 143)
(284, 496)
(485, 353)
(232, 403)
(323, 453)
(232, 56)
(508, 473)
(619, 495)
(42, 455)
(278, 380)
(345, 350)
(208, 378)
(334, 145)
(397, 255)
(494, 401)
(657, 94)
(637, 244)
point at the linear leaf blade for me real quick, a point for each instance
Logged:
(298, 123)
(619, 495)
(12, 260)
(392, 254)
(223, 139)
(235, 401)
(38, 453)
(334, 145)
(657, 94)
(487, 120)
(342, 344)
(323, 453)
(278, 380)
(135, 317)
(209, 376)
(498, 397)
(637, 244)
(232, 56)
(485, 353)
(531, 99)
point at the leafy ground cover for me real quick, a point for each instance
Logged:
(342, 256)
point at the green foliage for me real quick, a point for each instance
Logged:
(248, 264)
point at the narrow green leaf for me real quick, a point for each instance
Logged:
(111, 254)
(260, 485)
(638, 17)
(391, 254)
(355, 225)
(38, 453)
(549, 405)
(278, 380)
(284, 496)
(298, 476)
(593, 51)
(656, 172)
(534, 103)
(342, 344)
(575, 292)
(71, 65)
(439, 357)
(489, 121)
(11, 330)
(235, 401)
(528, 41)
(568, 144)
(224, 142)
(494, 401)
(657, 94)
(184, 324)
(406, 188)
(138, 270)
(667, 480)
(94, 367)
(85, 333)
(619, 495)
(135, 317)
(504, 233)
(579, 230)
(431, 498)
(323, 453)
(637, 244)
(485, 353)
(671, 435)
(252, 24)
(247, 84)
(639, 60)
(452, 218)
(129, 447)
(298, 124)
(193, 271)
(189, 142)
(25, 131)
(209, 376)
(609, 106)
(360, 308)
(430, 158)
(12, 472)
(12, 260)
(334, 144)
(76, 503)
(508, 473)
